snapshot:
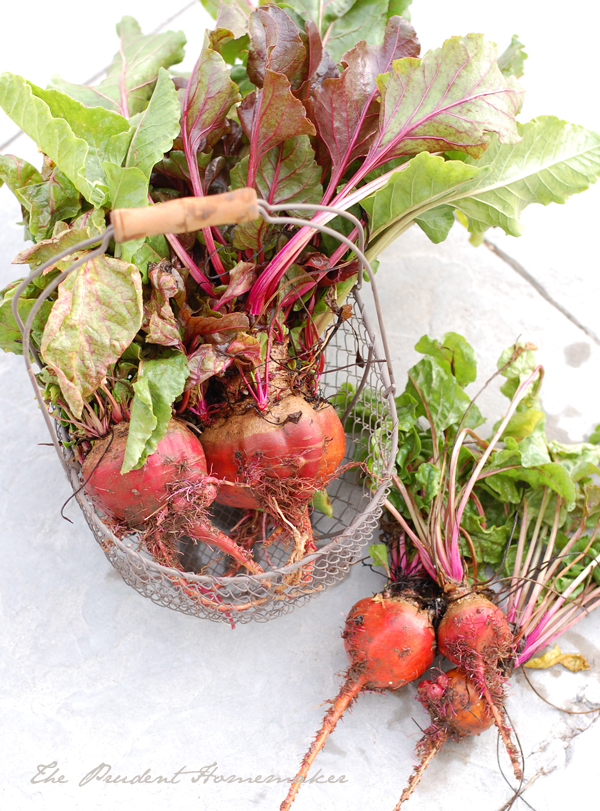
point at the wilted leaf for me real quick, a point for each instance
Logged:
(96, 316)
(159, 322)
(572, 661)
(84, 227)
(241, 279)
(205, 362)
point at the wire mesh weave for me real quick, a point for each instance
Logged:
(202, 590)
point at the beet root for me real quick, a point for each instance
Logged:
(292, 439)
(172, 484)
(457, 710)
(475, 635)
(135, 496)
(389, 641)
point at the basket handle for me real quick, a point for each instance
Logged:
(185, 214)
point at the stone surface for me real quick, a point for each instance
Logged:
(92, 673)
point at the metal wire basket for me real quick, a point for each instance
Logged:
(354, 356)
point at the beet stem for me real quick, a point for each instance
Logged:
(350, 689)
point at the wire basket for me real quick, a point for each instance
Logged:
(353, 356)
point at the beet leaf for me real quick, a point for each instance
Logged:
(96, 316)
(130, 78)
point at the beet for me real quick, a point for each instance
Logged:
(457, 709)
(293, 438)
(135, 496)
(474, 634)
(173, 482)
(390, 640)
(456, 706)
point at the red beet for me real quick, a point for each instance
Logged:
(390, 641)
(292, 439)
(456, 706)
(135, 496)
(173, 481)
(457, 709)
(475, 635)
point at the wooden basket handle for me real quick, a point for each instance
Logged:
(184, 215)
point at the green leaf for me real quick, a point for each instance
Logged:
(454, 353)
(158, 384)
(96, 316)
(554, 160)
(511, 61)
(421, 183)
(107, 133)
(580, 460)
(17, 173)
(523, 423)
(156, 127)
(489, 544)
(534, 451)
(595, 437)
(130, 78)
(127, 186)
(53, 136)
(429, 477)
(364, 19)
(11, 339)
(552, 474)
(399, 7)
(503, 487)
(436, 223)
(53, 200)
(379, 555)
(441, 400)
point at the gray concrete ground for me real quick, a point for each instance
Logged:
(91, 673)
